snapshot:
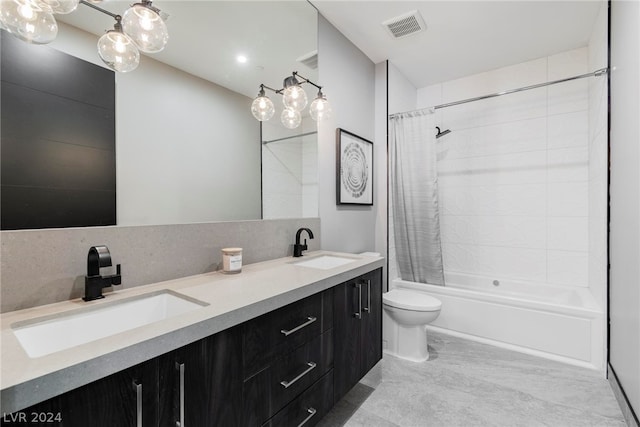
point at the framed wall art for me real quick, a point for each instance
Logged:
(354, 169)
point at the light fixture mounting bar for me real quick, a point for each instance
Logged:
(99, 9)
(306, 80)
(278, 91)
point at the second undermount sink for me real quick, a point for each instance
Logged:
(50, 334)
(324, 262)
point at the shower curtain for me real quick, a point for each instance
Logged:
(413, 183)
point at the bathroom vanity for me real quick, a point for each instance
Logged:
(277, 345)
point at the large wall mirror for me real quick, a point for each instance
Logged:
(187, 146)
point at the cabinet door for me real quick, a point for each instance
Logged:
(126, 398)
(201, 383)
(371, 333)
(347, 326)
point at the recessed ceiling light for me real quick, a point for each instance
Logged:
(241, 59)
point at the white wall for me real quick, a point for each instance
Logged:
(513, 174)
(348, 80)
(187, 150)
(624, 238)
(598, 162)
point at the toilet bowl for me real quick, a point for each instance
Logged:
(406, 315)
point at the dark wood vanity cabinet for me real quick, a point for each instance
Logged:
(126, 398)
(201, 383)
(358, 330)
(287, 367)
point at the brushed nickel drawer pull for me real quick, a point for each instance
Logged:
(138, 389)
(287, 384)
(368, 307)
(311, 413)
(358, 315)
(309, 321)
(180, 368)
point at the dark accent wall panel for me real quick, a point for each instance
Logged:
(58, 165)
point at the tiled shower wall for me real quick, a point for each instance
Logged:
(514, 172)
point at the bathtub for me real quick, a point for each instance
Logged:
(560, 323)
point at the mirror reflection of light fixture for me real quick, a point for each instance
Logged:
(117, 50)
(28, 21)
(294, 95)
(142, 22)
(262, 108)
(294, 99)
(141, 28)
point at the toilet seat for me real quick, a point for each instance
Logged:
(411, 300)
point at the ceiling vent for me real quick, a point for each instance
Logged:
(310, 59)
(405, 25)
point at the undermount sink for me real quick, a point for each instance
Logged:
(50, 334)
(324, 262)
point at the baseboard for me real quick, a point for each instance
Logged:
(627, 410)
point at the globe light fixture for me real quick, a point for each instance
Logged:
(142, 22)
(141, 28)
(320, 108)
(117, 50)
(291, 118)
(27, 21)
(262, 108)
(294, 95)
(294, 99)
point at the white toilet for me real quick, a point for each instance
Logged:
(406, 315)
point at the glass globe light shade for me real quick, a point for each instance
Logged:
(118, 51)
(320, 109)
(25, 20)
(294, 97)
(145, 27)
(60, 7)
(262, 108)
(290, 118)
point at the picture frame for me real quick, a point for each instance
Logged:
(354, 169)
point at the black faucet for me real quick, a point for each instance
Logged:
(98, 257)
(298, 248)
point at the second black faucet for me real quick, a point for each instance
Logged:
(297, 247)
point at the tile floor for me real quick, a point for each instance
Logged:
(471, 384)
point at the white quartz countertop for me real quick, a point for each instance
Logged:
(231, 299)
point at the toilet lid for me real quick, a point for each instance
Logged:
(411, 300)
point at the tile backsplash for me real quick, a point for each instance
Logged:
(45, 266)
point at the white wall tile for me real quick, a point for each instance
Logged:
(494, 261)
(568, 199)
(568, 165)
(568, 130)
(523, 200)
(568, 234)
(506, 169)
(508, 231)
(504, 138)
(568, 97)
(568, 268)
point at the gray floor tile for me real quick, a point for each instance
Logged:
(466, 383)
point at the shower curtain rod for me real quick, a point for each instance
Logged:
(596, 73)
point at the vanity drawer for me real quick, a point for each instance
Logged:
(309, 408)
(277, 333)
(272, 388)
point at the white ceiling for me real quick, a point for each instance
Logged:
(206, 36)
(463, 37)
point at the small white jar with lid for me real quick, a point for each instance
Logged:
(231, 260)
